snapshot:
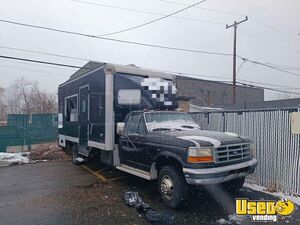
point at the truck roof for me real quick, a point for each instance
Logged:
(116, 68)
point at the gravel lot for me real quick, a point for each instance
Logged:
(58, 192)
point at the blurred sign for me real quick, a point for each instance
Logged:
(295, 123)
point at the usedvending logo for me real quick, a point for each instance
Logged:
(264, 210)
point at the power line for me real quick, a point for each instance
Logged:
(271, 67)
(185, 18)
(240, 67)
(89, 59)
(44, 53)
(114, 39)
(193, 75)
(73, 66)
(284, 67)
(269, 40)
(30, 70)
(143, 44)
(241, 15)
(39, 61)
(145, 12)
(274, 29)
(204, 8)
(153, 21)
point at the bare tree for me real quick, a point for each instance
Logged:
(17, 96)
(42, 101)
(26, 97)
(12, 100)
(2, 104)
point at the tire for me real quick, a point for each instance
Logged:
(235, 185)
(172, 186)
(74, 152)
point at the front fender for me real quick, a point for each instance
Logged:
(167, 154)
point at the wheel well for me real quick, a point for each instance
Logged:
(167, 161)
(69, 145)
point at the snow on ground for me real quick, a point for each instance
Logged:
(232, 219)
(7, 159)
(223, 221)
(295, 199)
(237, 219)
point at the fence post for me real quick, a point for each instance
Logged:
(224, 122)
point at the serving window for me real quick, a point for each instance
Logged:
(71, 108)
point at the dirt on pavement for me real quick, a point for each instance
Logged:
(49, 152)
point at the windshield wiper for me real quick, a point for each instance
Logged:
(187, 126)
(161, 129)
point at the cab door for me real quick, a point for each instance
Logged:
(132, 143)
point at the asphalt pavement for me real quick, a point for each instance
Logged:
(50, 193)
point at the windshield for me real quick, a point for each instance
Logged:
(169, 121)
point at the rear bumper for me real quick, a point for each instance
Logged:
(219, 174)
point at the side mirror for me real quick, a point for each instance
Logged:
(120, 128)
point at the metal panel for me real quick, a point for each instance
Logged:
(109, 111)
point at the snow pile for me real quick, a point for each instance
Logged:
(237, 219)
(8, 159)
(293, 198)
(232, 219)
(223, 222)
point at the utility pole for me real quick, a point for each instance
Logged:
(235, 25)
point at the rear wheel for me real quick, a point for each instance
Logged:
(235, 185)
(172, 186)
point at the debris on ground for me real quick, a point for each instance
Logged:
(48, 151)
(9, 159)
(132, 199)
(160, 218)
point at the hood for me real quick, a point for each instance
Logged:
(206, 138)
(178, 124)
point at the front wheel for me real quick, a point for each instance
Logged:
(172, 186)
(235, 185)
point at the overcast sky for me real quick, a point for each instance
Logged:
(255, 41)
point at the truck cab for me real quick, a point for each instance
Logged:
(170, 147)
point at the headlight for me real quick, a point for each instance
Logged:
(200, 155)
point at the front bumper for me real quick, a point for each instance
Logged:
(219, 174)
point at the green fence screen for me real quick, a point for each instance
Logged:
(22, 130)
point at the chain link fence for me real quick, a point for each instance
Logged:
(23, 130)
(277, 149)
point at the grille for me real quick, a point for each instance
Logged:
(234, 152)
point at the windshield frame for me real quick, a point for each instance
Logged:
(167, 112)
